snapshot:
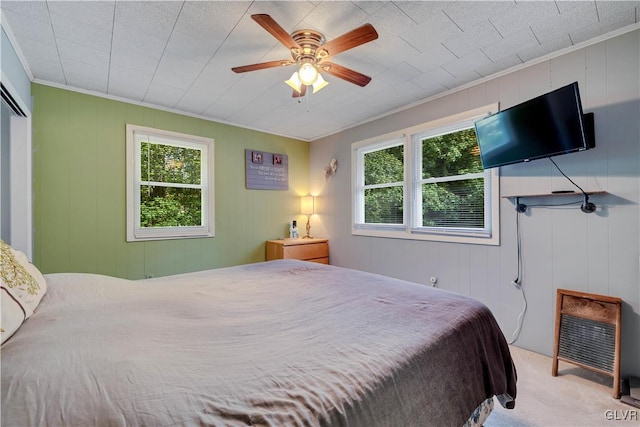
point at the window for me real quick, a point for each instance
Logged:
(169, 185)
(427, 184)
(383, 184)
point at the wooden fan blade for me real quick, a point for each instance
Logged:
(346, 74)
(353, 38)
(262, 66)
(269, 24)
(303, 92)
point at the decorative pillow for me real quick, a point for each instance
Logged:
(13, 313)
(23, 278)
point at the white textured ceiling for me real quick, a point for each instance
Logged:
(178, 55)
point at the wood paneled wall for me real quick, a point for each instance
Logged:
(562, 247)
(79, 190)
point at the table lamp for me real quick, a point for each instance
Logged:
(307, 207)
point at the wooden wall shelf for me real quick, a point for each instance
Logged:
(571, 193)
(587, 206)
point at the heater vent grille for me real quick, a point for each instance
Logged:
(587, 342)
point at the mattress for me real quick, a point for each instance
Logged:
(279, 343)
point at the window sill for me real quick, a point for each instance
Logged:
(432, 237)
(164, 235)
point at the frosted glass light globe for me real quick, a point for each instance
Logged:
(308, 74)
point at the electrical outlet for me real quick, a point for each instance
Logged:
(434, 281)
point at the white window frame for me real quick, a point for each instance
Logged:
(358, 208)
(412, 194)
(135, 135)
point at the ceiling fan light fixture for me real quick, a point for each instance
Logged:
(310, 51)
(319, 83)
(307, 73)
(294, 82)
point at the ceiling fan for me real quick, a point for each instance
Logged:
(312, 54)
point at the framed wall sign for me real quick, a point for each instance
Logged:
(266, 171)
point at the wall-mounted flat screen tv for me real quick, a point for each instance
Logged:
(545, 126)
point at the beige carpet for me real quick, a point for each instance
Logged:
(576, 397)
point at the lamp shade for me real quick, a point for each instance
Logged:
(307, 205)
(294, 82)
(319, 83)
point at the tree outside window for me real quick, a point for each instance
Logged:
(383, 180)
(428, 184)
(452, 181)
(169, 185)
(170, 193)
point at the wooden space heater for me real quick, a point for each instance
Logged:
(588, 333)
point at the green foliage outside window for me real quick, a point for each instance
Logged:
(170, 205)
(384, 205)
(446, 203)
(454, 203)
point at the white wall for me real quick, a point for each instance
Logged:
(562, 248)
(13, 72)
(5, 175)
(15, 150)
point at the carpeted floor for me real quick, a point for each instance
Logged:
(576, 397)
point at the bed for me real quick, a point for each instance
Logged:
(278, 343)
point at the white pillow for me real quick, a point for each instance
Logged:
(23, 278)
(13, 313)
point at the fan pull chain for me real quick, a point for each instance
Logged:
(308, 96)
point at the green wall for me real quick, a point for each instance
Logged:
(80, 199)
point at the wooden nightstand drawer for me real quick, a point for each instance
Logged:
(309, 251)
(316, 250)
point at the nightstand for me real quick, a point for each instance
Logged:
(315, 250)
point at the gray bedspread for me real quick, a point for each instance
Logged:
(278, 343)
